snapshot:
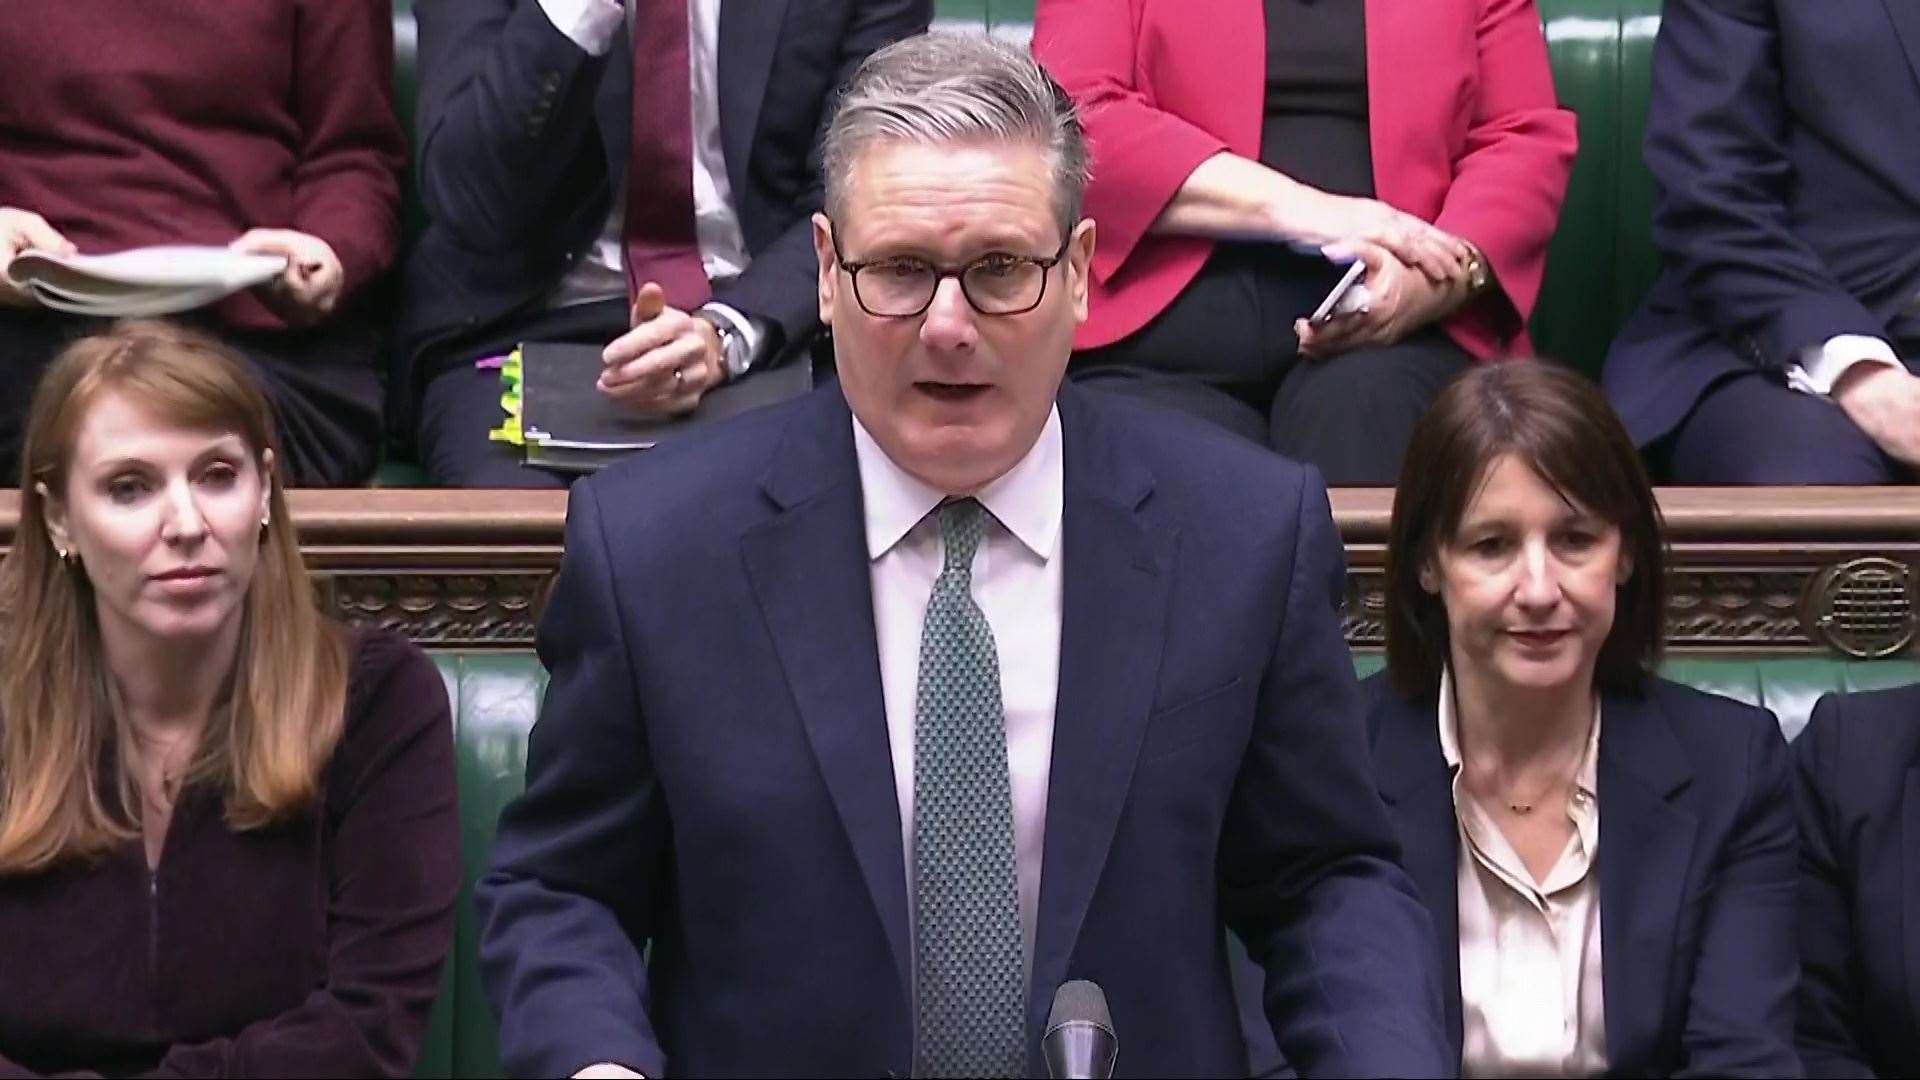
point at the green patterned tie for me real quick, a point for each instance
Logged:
(970, 969)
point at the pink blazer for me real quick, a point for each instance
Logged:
(1465, 131)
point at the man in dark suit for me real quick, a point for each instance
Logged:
(883, 713)
(1782, 343)
(1857, 788)
(575, 152)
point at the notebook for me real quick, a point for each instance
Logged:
(567, 423)
(140, 281)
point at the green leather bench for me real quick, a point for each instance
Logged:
(496, 696)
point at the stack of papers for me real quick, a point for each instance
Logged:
(142, 281)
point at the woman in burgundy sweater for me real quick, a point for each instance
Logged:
(268, 124)
(228, 840)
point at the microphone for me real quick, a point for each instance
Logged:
(1079, 1043)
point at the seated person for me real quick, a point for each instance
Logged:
(1857, 785)
(534, 116)
(269, 126)
(228, 841)
(1230, 150)
(1608, 857)
(1787, 211)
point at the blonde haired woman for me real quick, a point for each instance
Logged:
(228, 840)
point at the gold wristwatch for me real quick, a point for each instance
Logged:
(1479, 274)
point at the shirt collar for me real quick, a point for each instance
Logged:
(1025, 499)
(1587, 779)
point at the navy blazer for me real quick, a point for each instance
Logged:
(1786, 203)
(1857, 783)
(710, 774)
(522, 140)
(1696, 870)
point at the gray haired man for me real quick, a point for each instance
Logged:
(880, 715)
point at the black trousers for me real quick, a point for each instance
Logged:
(1751, 428)
(322, 382)
(1225, 350)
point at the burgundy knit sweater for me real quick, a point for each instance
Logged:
(192, 121)
(308, 949)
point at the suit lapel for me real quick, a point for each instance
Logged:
(1906, 26)
(1113, 608)
(1417, 786)
(1646, 844)
(749, 34)
(808, 568)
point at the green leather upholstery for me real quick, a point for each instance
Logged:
(496, 697)
(1601, 259)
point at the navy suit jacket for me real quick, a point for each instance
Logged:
(710, 774)
(523, 139)
(1857, 783)
(1696, 870)
(1786, 192)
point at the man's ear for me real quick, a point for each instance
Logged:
(1623, 570)
(56, 514)
(823, 254)
(1080, 261)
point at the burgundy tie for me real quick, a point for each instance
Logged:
(660, 240)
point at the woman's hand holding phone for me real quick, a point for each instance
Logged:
(1399, 300)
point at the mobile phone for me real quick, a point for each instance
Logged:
(1327, 309)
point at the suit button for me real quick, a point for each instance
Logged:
(551, 82)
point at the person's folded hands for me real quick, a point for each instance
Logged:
(666, 362)
(24, 230)
(308, 290)
(1402, 301)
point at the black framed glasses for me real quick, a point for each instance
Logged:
(903, 287)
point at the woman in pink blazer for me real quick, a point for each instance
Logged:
(1242, 150)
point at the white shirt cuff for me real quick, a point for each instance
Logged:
(749, 333)
(1819, 368)
(589, 24)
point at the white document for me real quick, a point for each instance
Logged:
(141, 281)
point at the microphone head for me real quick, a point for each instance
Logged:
(1079, 1043)
(1079, 1001)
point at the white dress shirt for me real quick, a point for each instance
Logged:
(600, 274)
(1016, 583)
(1532, 1002)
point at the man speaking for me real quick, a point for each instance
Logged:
(876, 717)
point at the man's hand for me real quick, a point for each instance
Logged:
(24, 230)
(666, 362)
(1884, 401)
(1402, 301)
(308, 290)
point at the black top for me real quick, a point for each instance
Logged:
(1315, 126)
(307, 949)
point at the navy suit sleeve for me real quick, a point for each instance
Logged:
(506, 119)
(1717, 126)
(1740, 1007)
(1310, 873)
(1827, 1010)
(579, 864)
(779, 284)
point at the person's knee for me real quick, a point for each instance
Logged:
(1810, 442)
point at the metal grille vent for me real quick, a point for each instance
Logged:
(1864, 607)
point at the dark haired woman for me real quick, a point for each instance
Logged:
(1608, 857)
